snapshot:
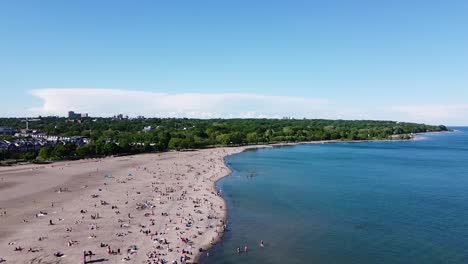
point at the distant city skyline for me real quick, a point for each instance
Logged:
(387, 60)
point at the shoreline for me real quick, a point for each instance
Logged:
(180, 186)
(189, 180)
(208, 247)
(416, 136)
(412, 136)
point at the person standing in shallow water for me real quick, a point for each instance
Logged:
(262, 244)
(238, 251)
(246, 249)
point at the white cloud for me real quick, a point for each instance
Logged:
(435, 114)
(107, 102)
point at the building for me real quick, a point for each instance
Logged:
(120, 117)
(73, 115)
(147, 129)
(4, 145)
(7, 131)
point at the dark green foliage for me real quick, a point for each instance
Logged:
(88, 150)
(15, 156)
(62, 151)
(46, 153)
(111, 137)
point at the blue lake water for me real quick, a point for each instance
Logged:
(373, 202)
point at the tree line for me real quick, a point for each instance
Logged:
(110, 136)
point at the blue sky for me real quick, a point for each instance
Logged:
(400, 60)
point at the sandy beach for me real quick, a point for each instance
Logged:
(151, 208)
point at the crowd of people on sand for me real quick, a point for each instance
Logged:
(186, 210)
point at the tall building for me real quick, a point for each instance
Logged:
(73, 115)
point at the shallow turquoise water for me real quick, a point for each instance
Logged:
(374, 202)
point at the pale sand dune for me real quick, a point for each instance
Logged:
(178, 185)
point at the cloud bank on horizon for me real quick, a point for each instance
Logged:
(108, 102)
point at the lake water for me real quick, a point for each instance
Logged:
(373, 202)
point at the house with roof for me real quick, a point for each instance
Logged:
(4, 145)
(7, 131)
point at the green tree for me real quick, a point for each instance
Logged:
(110, 149)
(176, 143)
(223, 139)
(60, 152)
(88, 150)
(252, 138)
(46, 153)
